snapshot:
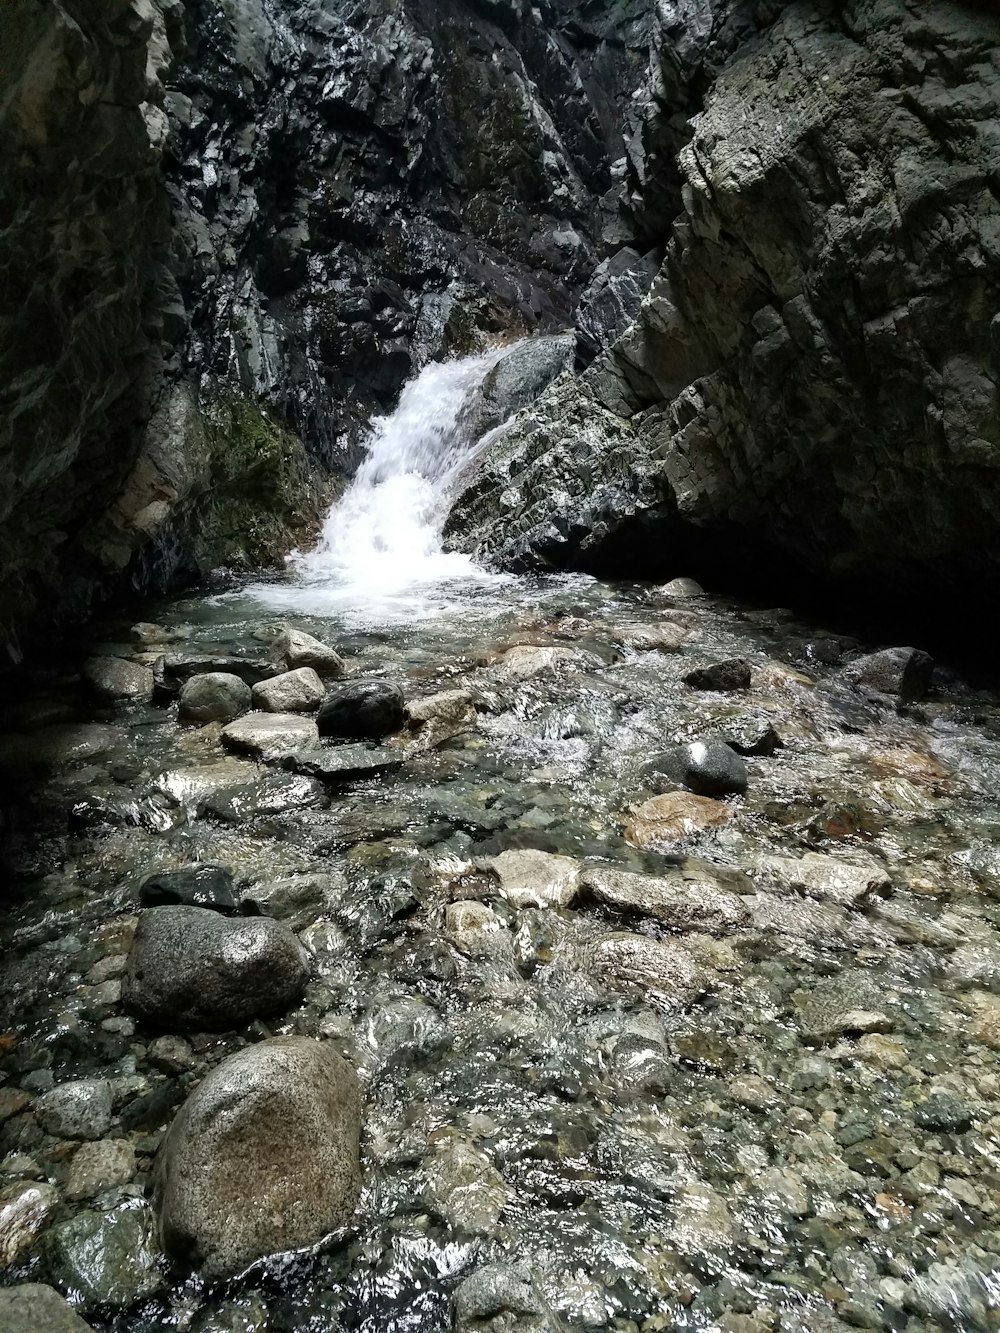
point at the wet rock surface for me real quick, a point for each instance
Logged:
(362, 710)
(262, 1158)
(623, 1064)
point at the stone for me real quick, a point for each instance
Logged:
(204, 884)
(192, 969)
(76, 1110)
(172, 1054)
(495, 1291)
(340, 764)
(269, 736)
(724, 677)
(114, 680)
(828, 878)
(519, 376)
(12, 1102)
(475, 929)
(709, 768)
(298, 691)
(215, 696)
(147, 635)
(682, 588)
(100, 1166)
(642, 965)
(852, 1002)
(362, 710)
(25, 1210)
(524, 661)
(262, 1158)
(107, 1259)
(453, 707)
(664, 637)
(32, 1307)
(681, 901)
(943, 1112)
(296, 899)
(174, 670)
(465, 1189)
(298, 649)
(265, 797)
(530, 878)
(903, 672)
(673, 818)
(750, 735)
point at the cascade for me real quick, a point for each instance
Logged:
(380, 553)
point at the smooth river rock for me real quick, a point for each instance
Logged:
(192, 969)
(673, 817)
(205, 884)
(298, 649)
(262, 1158)
(362, 710)
(216, 696)
(268, 736)
(529, 878)
(682, 902)
(708, 768)
(299, 691)
(77, 1110)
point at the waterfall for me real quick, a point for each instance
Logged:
(380, 550)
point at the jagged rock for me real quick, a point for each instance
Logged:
(174, 670)
(193, 969)
(362, 710)
(77, 1110)
(298, 649)
(24, 1212)
(686, 899)
(114, 680)
(673, 817)
(263, 1157)
(202, 885)
(640, 964)
(710, 768)
(269, 736)
(215, 696)
(516, 380)
(612, 300)
(495, 1292)
(298, 691)
(32, 1307)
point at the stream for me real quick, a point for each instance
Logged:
(736, 1071)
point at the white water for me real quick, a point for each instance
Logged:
(380, 555)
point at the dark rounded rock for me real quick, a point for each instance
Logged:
(943, 1112)
(728, 676)
(203, 885)
(189, 968)
(710, 768)
(362, 710)
(751, 736)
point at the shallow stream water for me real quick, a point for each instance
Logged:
(800, 1133)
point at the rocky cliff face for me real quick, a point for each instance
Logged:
(814, 368)
(231, 231)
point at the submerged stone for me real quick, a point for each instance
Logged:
(25, 1210)
(202, 885)
(530, 878)
(106, 1258)
(683, 903)
(673, 817)
(725, 677)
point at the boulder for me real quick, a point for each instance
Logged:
(174, 669)
(518, 377)
(751, 735)
(673, 817)
(499, 1292)
(362, 710)
(903, 672)
(341, 764)
(32, 1307)
(25, 1209)
(682, 900)
(529, 878)
(710, 768)
(726, 677)
(216, 696)
(114, 680)
(297, 649)
(77, 1110)
(202, 885)
(262, 1158)
(193, 969)
(298, 691)
(681, 589)
(267, 736)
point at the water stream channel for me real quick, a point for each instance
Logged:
(750, 1083)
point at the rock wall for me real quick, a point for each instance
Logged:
(231, 231)
(814, 369)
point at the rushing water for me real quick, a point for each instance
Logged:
(380, 555)
(804, 1139)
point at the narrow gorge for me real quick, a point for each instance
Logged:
(500, 751)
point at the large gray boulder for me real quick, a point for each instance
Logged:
(190, 968)
(215, 696)
(262, 1158)
(517, 379)
(33, 1307)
